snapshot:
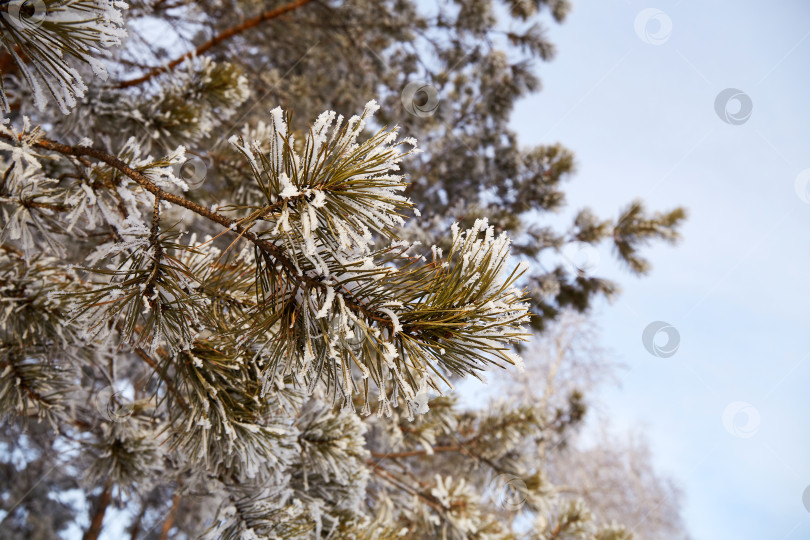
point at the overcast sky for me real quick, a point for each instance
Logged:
(634, 93)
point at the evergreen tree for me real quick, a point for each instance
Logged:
(229, 323)
(613, 473)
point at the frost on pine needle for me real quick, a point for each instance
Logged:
(77, 29)
(35, 209)
(127, 451)
(266, 333)
(346, 307)
(232, 430)
(198, 98)
(334, 460)
(332, 182)
(31, 321)
(149, 293)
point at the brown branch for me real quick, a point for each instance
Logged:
(167, 524)
(413, 453)
(135, 529)
(98, 516)
(216, 40)
(462, 446)
(385, 474)
(154, 241)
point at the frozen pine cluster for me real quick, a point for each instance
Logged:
(365, 303)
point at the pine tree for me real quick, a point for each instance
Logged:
(227, 322)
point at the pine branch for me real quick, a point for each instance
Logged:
(384, 473)
(228, 223)
(216, 40)
(167, 524)
(462, 313)
(40, 44)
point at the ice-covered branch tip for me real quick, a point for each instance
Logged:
(348, 187)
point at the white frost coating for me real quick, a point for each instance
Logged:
(134, 234)
(407, 389)
(306, 231)
(421, 398)
(283, 222)
(309, 222)
(403, 244)
(394, 320)
(320, 198)
(327, 303)
(319, 130)
(164, 176)
(343, 318)
(81, 30)
(522, 267)
(516, 359)
(279, 127)
(389, 354)
(246, 151)
(287, 188)
(91, 195)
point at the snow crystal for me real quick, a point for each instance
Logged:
(421, 398)
(516, 360)
(327, 303)
(397, 327)
(389, 354)
(287, 188)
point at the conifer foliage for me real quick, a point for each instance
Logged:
(220, 321)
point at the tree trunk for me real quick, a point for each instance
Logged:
(98, 516)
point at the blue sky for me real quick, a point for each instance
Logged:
(638, 109)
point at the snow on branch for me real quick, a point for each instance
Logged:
(359, 313)
(41, 34)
